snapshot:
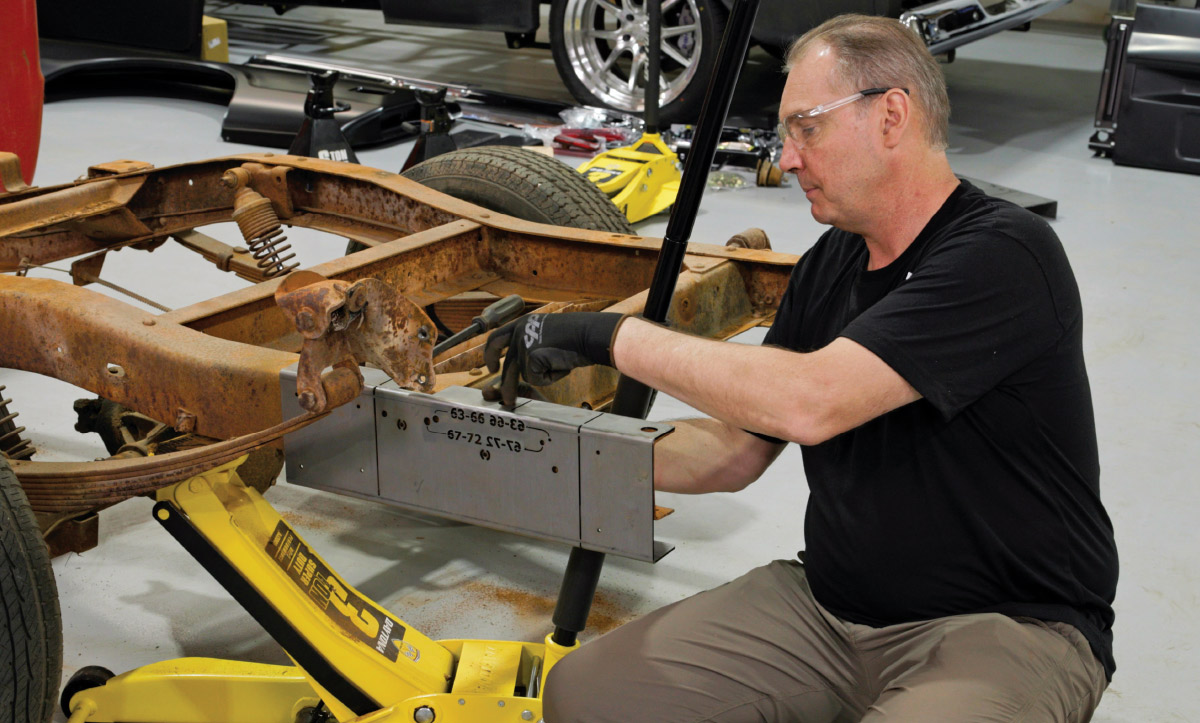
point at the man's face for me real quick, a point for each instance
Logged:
(836, 163)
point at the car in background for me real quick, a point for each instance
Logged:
(600, 46)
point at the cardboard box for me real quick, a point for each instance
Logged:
(214, 39)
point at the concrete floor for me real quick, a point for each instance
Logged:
(1022, 114)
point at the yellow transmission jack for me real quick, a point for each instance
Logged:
(641, 179)
(354, 660)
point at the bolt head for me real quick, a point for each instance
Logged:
(305, 321)
(424, 714)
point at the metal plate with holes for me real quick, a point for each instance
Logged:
(616, 460)
(338, 452)
(456, 455)
(543, 470)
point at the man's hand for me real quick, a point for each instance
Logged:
(543, 348)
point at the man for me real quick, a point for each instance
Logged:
(928, 357)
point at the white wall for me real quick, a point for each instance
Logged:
(1083, 11)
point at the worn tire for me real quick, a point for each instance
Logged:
(521, 183)
(30, 625)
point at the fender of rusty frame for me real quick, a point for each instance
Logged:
(220, 388)
(124, 354)
(350, 200)
(54, 222)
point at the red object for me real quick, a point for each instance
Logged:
(22, 83)
(586, 141)
(607, 134)
(571, 143)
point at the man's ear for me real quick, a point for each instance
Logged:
(897, 116)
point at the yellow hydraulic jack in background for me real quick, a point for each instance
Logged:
(641, 179)
(354, 660)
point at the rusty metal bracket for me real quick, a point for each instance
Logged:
(11, 180)
(87, 269)
(116, 168)
(345, 324)
(237, 259)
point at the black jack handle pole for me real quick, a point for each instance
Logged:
(653, 65)
(633, 397)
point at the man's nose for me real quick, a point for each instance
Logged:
(791, 160)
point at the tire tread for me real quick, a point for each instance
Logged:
(552, 191)
(31, 630)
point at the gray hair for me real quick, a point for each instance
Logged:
(880, 52)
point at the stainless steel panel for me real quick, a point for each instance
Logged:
(455, 455)
(616, 492)
(543, 470)
(336, 453)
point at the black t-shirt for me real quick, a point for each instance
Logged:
(984, 495)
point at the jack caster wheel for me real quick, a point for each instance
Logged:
(92, 676)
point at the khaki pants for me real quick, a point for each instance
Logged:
(760, 648)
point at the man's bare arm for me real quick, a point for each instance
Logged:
(708, 455)
(805, 398)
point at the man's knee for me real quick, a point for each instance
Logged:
(992, 667)
(575, 685)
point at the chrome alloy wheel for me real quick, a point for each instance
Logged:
(606, 42)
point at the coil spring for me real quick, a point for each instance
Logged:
(260, 227)
(12, 444)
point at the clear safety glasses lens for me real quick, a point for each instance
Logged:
(793, 125)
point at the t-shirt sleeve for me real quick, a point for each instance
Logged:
(789, 312)
(974, 311)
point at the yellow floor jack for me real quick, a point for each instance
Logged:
(355, 661)
(642, 179)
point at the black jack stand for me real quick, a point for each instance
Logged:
(320, 135)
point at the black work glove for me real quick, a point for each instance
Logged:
(543, 348)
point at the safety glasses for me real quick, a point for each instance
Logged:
(802, 128)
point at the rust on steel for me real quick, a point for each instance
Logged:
(107, 347)
(213, 367)
(346, 324)
(259, 223)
